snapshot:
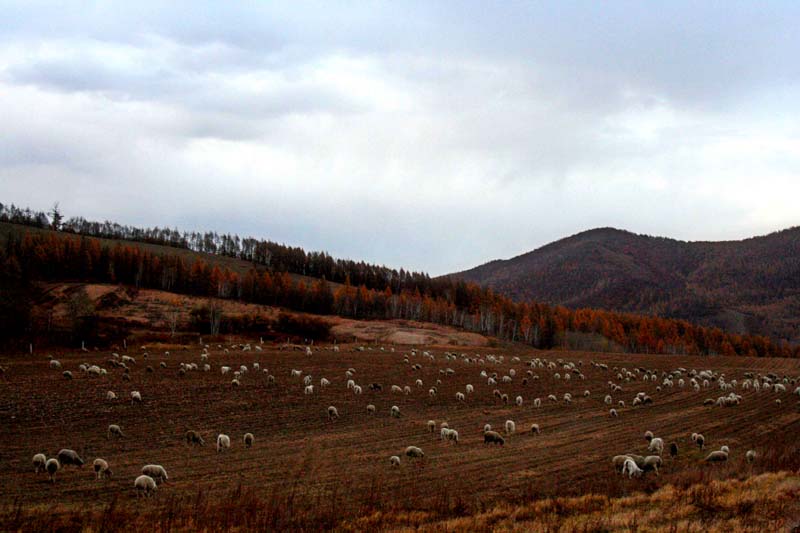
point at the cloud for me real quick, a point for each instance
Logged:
(431, 136)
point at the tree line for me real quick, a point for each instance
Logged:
(60, 256)
(274, 256)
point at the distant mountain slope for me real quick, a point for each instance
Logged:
(748, 286)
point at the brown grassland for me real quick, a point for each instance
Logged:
(306, 472)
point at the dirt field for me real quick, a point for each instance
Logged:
(345, 464)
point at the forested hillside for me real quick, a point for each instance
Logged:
(748, 286)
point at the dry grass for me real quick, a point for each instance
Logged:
(308, 473)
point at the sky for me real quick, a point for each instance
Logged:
(433, 136)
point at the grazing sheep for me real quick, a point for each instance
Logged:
(67, 374)
(157, 472)
(357, 390)
(487, 427)
(111, 396)
(750, 456)
(716, 457)
(101, 468)
(431, 426)
(535, 429)
(450, 435)
(413, 451)
(651, 462)
(537, 403)
(619, 460)
(395, 412)
(656, 445)
(39, 461)
(511, 427)
(460, 397)
(52, 466)
(725, 449)
(145, 486)
(700, 441)
(136, 396)
(394, 460)
(470, 389)
(114, 431)
(673, 449)
(249, 439)
(518, 401)
(333, 413)
(55, 364)
(192, 437)
(493, 437)
(69, 457)
(629, 467)
(308, 390)
(324, 382)
(613, 413)
(371, 409)
(223, 442)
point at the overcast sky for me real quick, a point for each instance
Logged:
(432, 136)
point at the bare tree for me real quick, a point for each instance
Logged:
(214, 316)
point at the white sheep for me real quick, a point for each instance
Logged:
(308, 390)
(518, 401)
(451, 435)
(371, 409)
(357, 390)
(52, 466)
(395, 412)
(145, 485)
(613, 413)
(296, 373)
(415, 452)
(750, 456)
(136, 396)
(39, 460)
(114, 431)
(101, 468)
(535, 429)
(470, 389)
(324, 382)
(333, 413)
(156, 472)
(460, 397)
(629, 467)
(394, 460)
(223, 442)
(510, 427)
(249, 440)
(656, 445)
(224, 370)
(537, 402)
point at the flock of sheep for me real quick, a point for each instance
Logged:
(557, 370)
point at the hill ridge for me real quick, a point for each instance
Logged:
(750, 285)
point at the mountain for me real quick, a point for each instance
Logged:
(747, 286)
